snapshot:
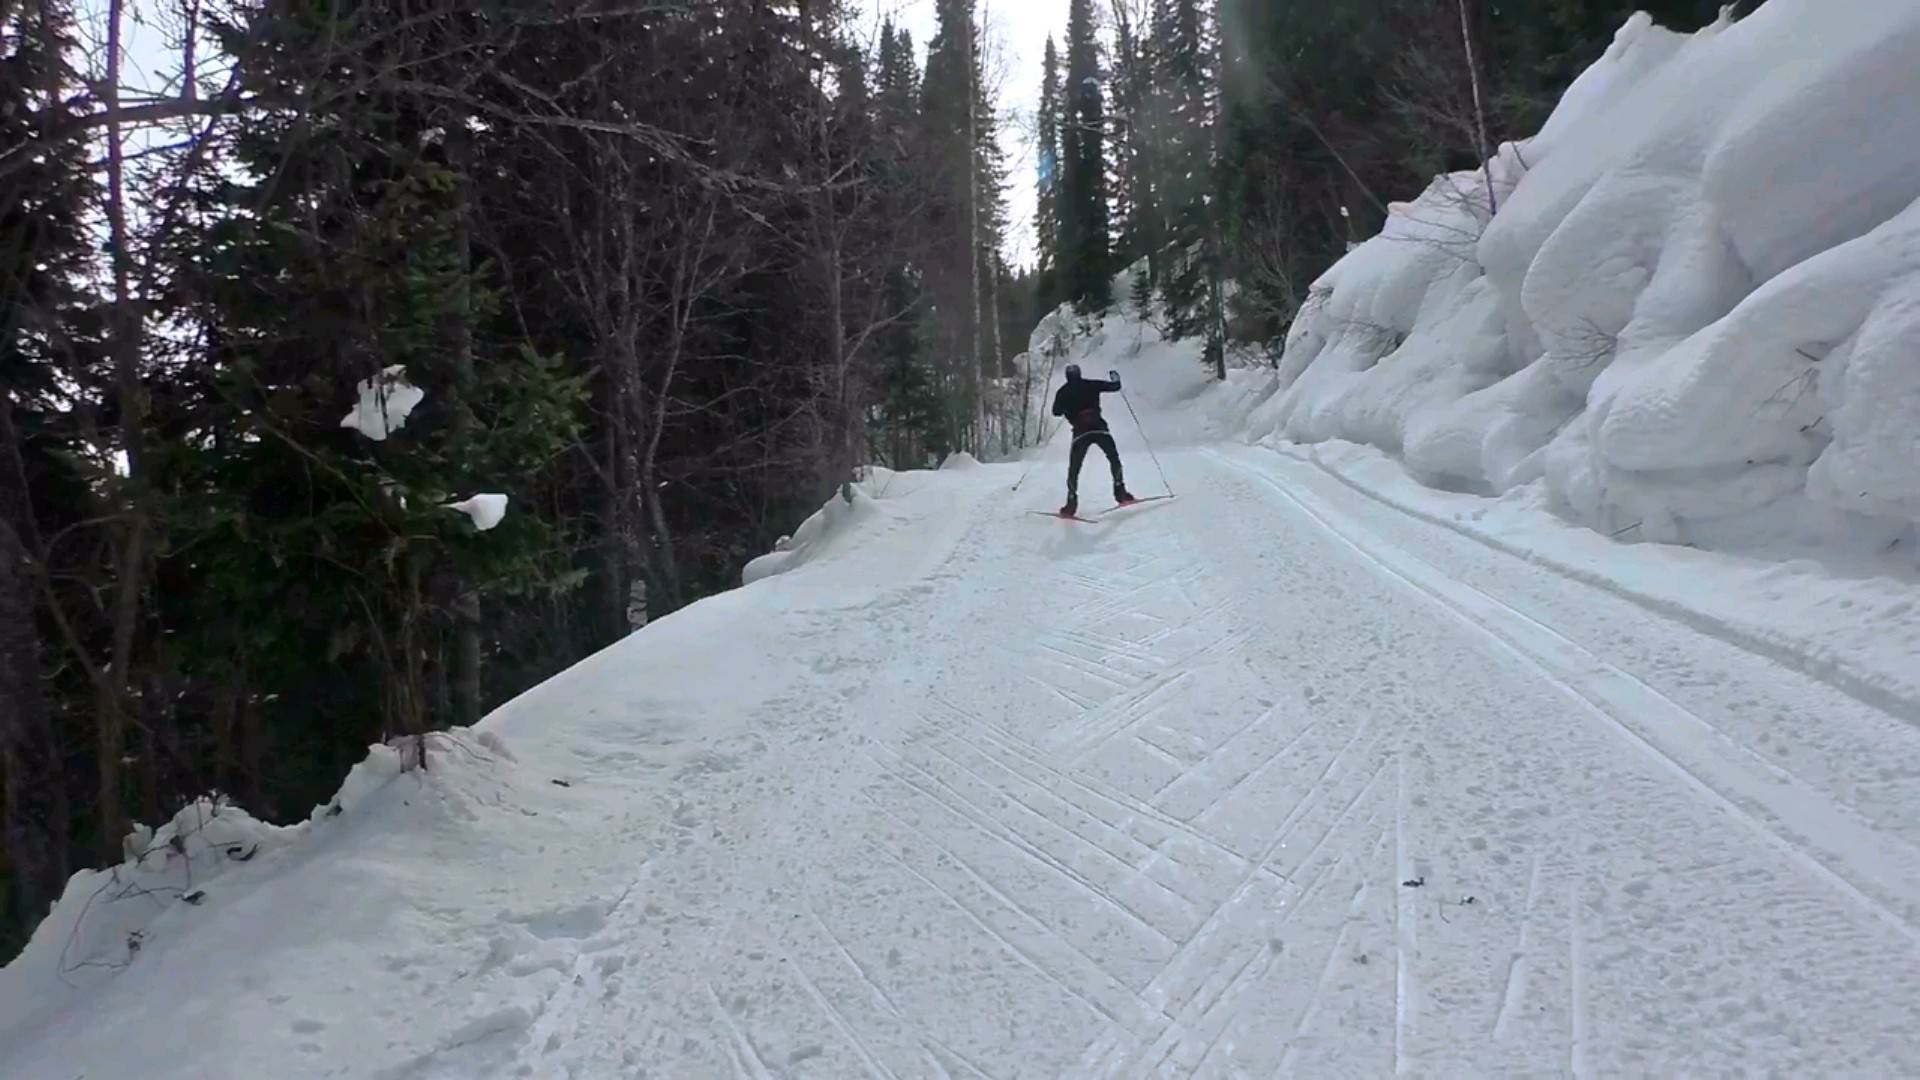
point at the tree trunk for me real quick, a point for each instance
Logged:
(226, 733)
(662, 547)
(114, 692)
(616, 519)
(843, 426)
(1479, 113)
(974, 369)
(34, 817)
(1216, 295)
(995, 354)
(467, 703)
(252, 745)
(33, 820)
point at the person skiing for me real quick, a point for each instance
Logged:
(1079, 401)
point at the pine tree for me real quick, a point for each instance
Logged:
(1046, 221)
(896, 134)
(1136, 129)
(43, 488)
(963, 178)
(946, 163)
(1085, 264)
(990, 228)
(1184, 87)
(341, 251)
(896, 86)
(909, 420)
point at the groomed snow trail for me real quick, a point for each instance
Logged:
(1268, 779)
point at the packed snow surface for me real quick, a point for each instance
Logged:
(1695, 316)
(1312, 770)
(1271, 778)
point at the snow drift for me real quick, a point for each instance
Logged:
(1695, 316)
(864, 503)
(106, 918)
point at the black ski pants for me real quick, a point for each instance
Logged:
(1078, 456)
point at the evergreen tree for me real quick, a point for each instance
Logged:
(48, 370)
(1046, 222)
(1185, 90)
(908, 400)
(1136, 128)
(343, 249)
(896, 89)
(963, 179)
(1085, 262)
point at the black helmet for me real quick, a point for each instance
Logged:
(1073, 372)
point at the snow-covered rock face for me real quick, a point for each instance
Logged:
(1696, 313)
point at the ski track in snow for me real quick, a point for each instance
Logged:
(1267, 780)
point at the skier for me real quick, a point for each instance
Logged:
(1079, 401)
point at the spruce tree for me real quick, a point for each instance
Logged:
(1085, 263)
(1133, 118)
(1046, 222)
(44, 487)
(962, 219)
(1184, 176)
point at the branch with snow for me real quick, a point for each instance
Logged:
(384, 405)
(485, 509)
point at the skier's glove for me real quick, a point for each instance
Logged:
(1113, 377)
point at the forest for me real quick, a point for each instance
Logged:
(665, 274)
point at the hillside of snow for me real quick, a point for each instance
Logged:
(1309, 771)
(1695, 316)
(1312, 770)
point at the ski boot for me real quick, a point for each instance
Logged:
(1122, 497)
(1072, 507)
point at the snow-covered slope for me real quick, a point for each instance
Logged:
(1268, 779)
(1695, 316)
(1309, 771)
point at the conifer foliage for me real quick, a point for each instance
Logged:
(1084, 244)
(362, 364)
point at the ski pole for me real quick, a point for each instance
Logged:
(1148, 443)
(1042, 446)
(1056, 428)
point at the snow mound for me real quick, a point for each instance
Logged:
(106, 918)
(880, 497)
(815, 535)
(1695, 316)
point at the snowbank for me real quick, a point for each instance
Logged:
(828, 527)
(1695, 317)
(106, 918)
(1856, 631)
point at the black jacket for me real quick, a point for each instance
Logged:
(1079, 401)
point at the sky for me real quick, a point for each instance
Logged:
(1015, 36)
